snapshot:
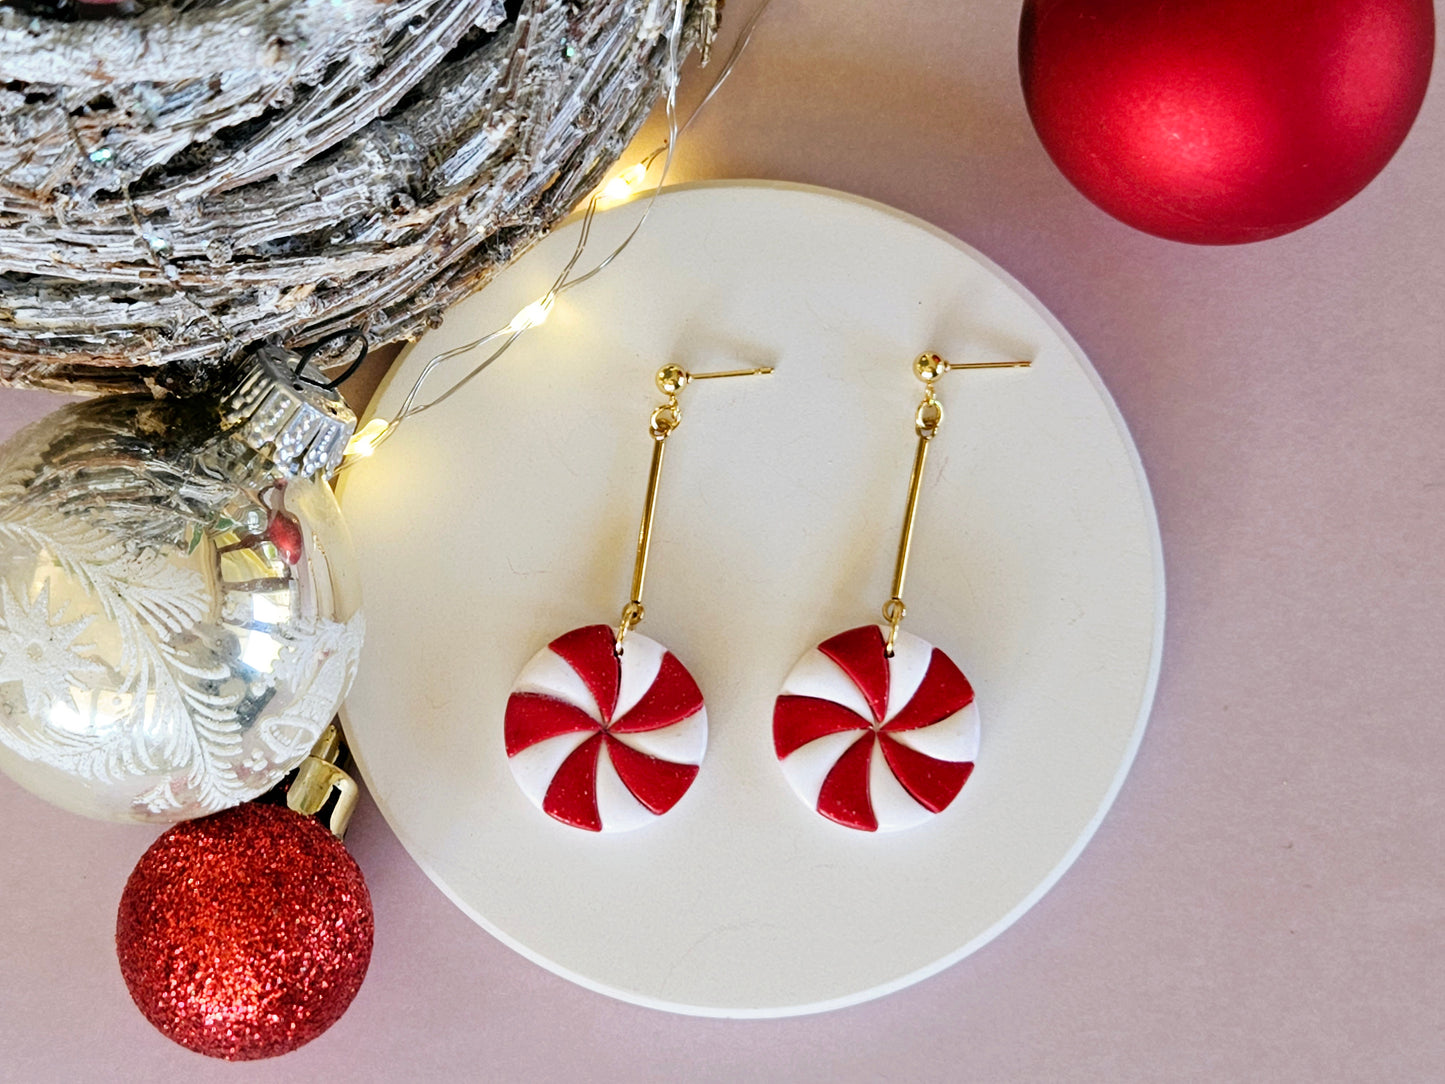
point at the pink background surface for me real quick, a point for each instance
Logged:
(1264, 902)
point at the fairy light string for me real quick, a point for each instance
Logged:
(534, 314)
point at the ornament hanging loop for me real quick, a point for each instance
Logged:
(929, 367)
(665, 419)
(352, 336)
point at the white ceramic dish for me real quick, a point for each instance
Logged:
(508, 515)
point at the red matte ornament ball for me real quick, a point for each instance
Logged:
(1223, 121)
(246, 934)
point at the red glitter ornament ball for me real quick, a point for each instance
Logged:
(1223, 121)
(246, 934)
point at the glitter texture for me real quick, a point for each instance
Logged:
(246, 934)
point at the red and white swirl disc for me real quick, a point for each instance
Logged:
(875, 743)
(601, 742)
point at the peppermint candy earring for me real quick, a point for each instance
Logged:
(875, 728)
(605, 731)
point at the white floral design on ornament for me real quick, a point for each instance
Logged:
(153, 605)
(42, 656)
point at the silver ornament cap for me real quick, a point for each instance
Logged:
(283, 410)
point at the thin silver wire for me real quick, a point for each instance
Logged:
(564, 281)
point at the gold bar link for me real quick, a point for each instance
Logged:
(644, 531)
(905, 540)
(665, 419)
(893, 609)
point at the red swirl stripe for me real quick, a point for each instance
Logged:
(672, 697)
(798, 720)
(844, 797)
(533, 717)
(860, 654)
(572, 796)
(933, 783)
(590, 652)
(657, 784)
(943, 691)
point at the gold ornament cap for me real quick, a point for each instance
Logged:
(320, 778)
(283, 410)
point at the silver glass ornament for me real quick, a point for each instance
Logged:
(179, 608)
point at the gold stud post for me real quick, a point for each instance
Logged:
(644, 531)
(761, 370)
